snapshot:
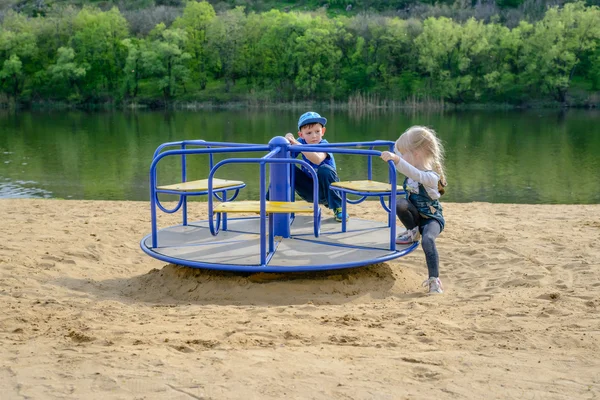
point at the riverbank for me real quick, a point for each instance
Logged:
(86, 314)
(590, 103)
(216, 98)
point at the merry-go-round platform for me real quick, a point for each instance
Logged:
(275, 235)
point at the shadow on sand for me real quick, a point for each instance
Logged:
(174, 284)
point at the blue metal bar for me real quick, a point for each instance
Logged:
(344, 206)
(271, 234)
(272, 153)
(292, 183)
(224, 219)
(263, 211)
(392, 214)
(222, 198)
(183, 179)
(272, 253)
(269, 219)
(163, 209)
(235, 147)
(200, 192)
(153, 207)
(271, 268)
(370, 166)
(262, 160)
(199, 142)
(154, 202)
(328, 149)
(262, 163)
(386, 207)
(279, 185)
(392, 180)
(315, 179)
(356, 201)
(182, 143)
(182, 152)
(207, 151)
(354, 144)
(272, 219)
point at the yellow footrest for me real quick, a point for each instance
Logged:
(272, 207)
(200, 185)
(365, 186)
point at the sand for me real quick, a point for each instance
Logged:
(85, 314)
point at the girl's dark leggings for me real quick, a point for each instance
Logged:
(410, 217)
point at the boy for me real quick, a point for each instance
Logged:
(311, 129)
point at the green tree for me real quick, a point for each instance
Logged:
(382, 54)
(451, 54)
(317, 59)
(166, 59)
(98, 43)
(595, 70)
(354, 71)
(18, 53)
(557, 45)
(11, 75)
(133, 70)
(501, 71)
(270, 52)
(66, 72)
(53, 31)
(195, 20)
(475, 52)
(226, 41)
(439, 57)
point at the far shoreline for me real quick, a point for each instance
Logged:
(364, 106)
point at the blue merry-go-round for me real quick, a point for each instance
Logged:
(287, 235)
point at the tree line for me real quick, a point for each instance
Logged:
(88, 55)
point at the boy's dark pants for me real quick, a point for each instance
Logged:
(303, 184)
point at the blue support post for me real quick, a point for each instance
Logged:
(184, 179)
(263, 215)
(279, 186)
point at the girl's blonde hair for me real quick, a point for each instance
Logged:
(429, 145)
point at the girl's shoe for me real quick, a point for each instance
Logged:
(408, 237)
(434, 285)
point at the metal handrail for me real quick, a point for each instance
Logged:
(263, 214)
(155, 202)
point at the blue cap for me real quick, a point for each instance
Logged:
(311, 117)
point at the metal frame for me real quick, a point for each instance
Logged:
(281, 189)
(391, 209)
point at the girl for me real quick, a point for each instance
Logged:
(419, 156)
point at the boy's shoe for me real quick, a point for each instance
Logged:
(408, 237)
(434, 285)
(339, 215)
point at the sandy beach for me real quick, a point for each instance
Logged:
(87, 315)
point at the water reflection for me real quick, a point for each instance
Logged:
(22, 190)
(535, 156)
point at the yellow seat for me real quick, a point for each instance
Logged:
(365, 186)
(272, 207)
(200, 185)
(364, 189)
